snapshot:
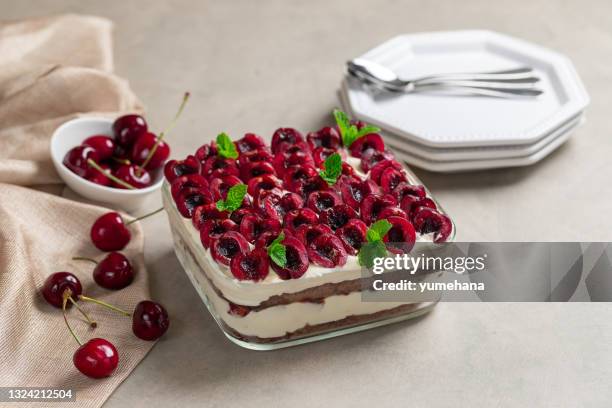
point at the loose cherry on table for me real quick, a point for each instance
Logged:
(150, 320)
(110, 233)
(62, 289)
(114, 271)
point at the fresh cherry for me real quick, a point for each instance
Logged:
(300, 158)
(327, 250)
(128, 128)
(150, 320)
(253, 265)
(274, 205)
(352, 235)
(252, 226)
(319, 201)
(338, 215)
(254, 156)
(114, 271)
(298, 174)
(189, 181)
(218, 166)
(249, 143)
(133, 175)
(143, 146)
(354, 191)
(215, 227)
(109, 232)
(256, 169)
(191, 198)
(428, 220)
(178, 168)
(377, 170)
(410, 204)
(284, 137)
(391, 211)
(76, 160)
(308, 233)
(297, 259)
(219, 186)
(102, 144)
(99, 177)
(203, 213)
(228, 245)
(320, 154)
(327, 137)
(240, 213)
(370, 157)
(205, 151)
(294, 218)
(258, 184)
(390, 178)
(57, 284)
(372, 205)
(401, 237)
(97, 358)
(404, 189)
(371, 141)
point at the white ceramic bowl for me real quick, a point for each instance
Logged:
(71, 134)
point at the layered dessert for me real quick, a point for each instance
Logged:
(274, 237)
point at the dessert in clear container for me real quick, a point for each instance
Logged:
(270, 236)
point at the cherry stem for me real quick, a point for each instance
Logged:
(121, 161)
(91, 322)
(84, 258)
(102, 303)
(144, 216)
(65, 296)
(166, 131)
(109, 175)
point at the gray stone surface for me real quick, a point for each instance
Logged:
(256, 65)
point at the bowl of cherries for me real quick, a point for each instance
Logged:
(117, 162)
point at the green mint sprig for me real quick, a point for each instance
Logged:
(277, 251)
(333, 169)
(234, 199)
(225, 147)
(374, 247)
(349, 132)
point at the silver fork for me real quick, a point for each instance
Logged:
(517, 82)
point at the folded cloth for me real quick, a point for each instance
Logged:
(53, 69)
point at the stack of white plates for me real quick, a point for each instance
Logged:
(449, 133)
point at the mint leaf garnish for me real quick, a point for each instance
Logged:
(349, 132)
(234, 199)
(277, 251)
(333, 169)
(225, 147)
(375, 247)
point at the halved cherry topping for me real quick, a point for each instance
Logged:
(227, 246)
(327, 137)
(214, 228)
(287, 149)
(219, 186)
(239, 214)
(410, 204)
(299, 158)
(337, 216)
(285, 136)
(265, 238)
(404, 189)
(207, 212)
(373, 204)
(320, 154)
(307, 232)
(254, 156)
(253, 265)
(190, 198)
(354, 191)
(377, 170)
(304, 188)
(392, 212)
(401, 237)
(177, 168)
(322, 200)
(294, 218)
(188, 181)
(262, 183)
(218, 166)
(298, 173)
(275, 206)
(390, 178)
(252, 226)
(427, 220)
(352, 235)
(371, 157)
(297, 260)
(205, 151)
(327, 250)
(256, 169)
(371, 141)
(249, 143)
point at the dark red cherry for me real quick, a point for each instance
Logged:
(428, 220)
(312, 184)
(370, 157)
(299, 158)
(189, 181)
(294, 218)
(56, 284)
(114, 271)
(327, 137)
(297, 260)
(143, 146)
(191, 198)
(133, 175)
(127, 128)
(287, 149)
(256, 169)
(404, 189)
(254, 156)
(207, 212)
(410, 204)
(327, 250)
(178, 168)
(249, 143)
(352, 235)
(322, 200)
(218, 166)
(265, 239)
(253, 265)
(150, 320)
(372, 141)
(102, 144)
(276, 206)
(98, 177)
(308, 233)
(262, 183)
(320, 154)
(390, 178)
(285, 136)
(252, 226)
(392, 211)
(97, 358)
(77, 157)
(109, 232)
(227, 246)
(377, 170)
(372, 205)
(401, 237)
(337, 216)
(213, 228)
(297, 174)
(205, 151)
(354, 191)
(219, 186)
(240, 213)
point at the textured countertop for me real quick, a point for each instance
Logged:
(255, 66)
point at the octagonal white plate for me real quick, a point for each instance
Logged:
(469, 121)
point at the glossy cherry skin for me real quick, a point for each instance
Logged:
(178, 168)
(109, 232)
(127, 128)
(77, 157)
(97, 358)
(98, 177)
(150, 320)
(143, 146)
(133, 175)
(114, 272)
(56, 284)
(104, 145)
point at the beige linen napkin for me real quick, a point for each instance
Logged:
(53, 69)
